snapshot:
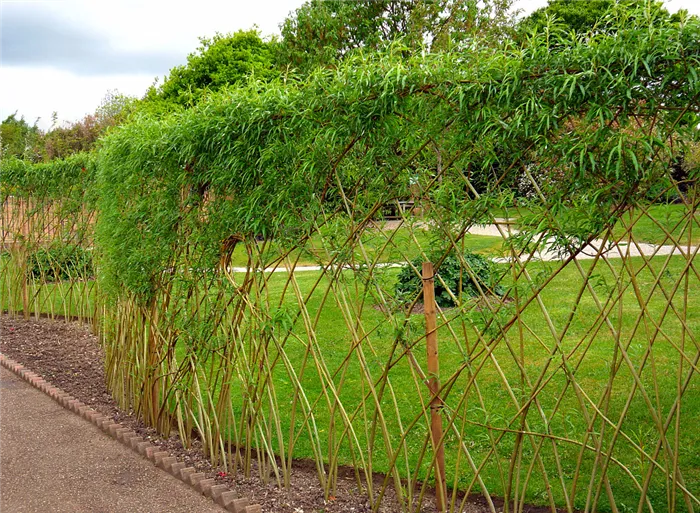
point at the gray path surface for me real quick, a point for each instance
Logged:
(51, 460)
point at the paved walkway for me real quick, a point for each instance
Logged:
(51, 460)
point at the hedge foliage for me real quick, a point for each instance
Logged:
(268, 160)
(61, 262)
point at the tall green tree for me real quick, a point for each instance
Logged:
(581, 17)
(18, 138)
(322, 32)
(220, 61)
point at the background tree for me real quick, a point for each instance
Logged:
(322, 32)
(582, 17)
(219, 61)
(71, 138)
(579, 16)
(18, 138)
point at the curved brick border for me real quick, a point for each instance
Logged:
(221, 494)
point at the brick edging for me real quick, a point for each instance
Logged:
(219, 493)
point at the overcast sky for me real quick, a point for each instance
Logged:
(65, 55)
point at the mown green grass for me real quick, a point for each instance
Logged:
(591, 371)
(65, 298)
(658, 224)
(499, 376)
(377, 245)
(662, 224)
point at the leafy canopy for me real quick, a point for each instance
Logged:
(584, 16)
(220, 61)
(269, 161)
(18, 138)
(323, 32)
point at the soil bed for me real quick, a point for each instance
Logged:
(68, 355)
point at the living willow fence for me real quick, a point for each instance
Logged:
(47, 232)
(251, 293)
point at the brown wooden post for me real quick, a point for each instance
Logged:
(434, 384)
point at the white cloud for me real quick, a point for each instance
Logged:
(693, 6)
(153, 27)
(38, 92)
(169, 25)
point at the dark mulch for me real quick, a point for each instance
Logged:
(68, 355)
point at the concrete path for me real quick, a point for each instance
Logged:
(51, 460)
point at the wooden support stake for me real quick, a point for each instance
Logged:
(434, 384)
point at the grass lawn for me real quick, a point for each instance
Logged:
(563, 404)
(353, 344)
(64, 298)
(659, 222)
(381, 246)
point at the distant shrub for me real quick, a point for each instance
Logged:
(61, 262)
(462, 281)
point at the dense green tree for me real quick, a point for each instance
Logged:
(18, 138)
(322, 32)
(217, 62)
(579, 16)
(582, 17)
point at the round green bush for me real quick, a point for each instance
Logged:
(477, 276)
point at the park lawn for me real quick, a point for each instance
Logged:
(499, 380)
(661, 224)
(557, 412)
(658, 224)
(377, 246)
(60, 298)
